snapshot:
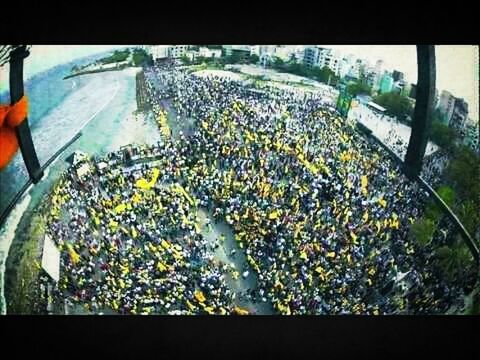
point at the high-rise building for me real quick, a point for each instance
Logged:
(446, 105)
(459, 114)
(321, 57)
(158, 51)
(344, 67)
(371, 79)
(311, 56)
(397, 75)
(386, 83)
(284, 52)
(379, 66)
(413, 91)
(177, 51)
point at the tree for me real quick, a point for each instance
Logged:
(185, 60)
(442, 135)
(433, 211)
(463, 170)
(454, 259)
(359, 88)
(395, 104)
(422, 231)
(253, 59)
(278, 63)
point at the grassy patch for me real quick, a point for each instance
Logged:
(23, 289)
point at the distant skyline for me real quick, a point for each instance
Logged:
(457, 65)
(44, 57)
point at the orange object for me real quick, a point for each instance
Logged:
(10, 117)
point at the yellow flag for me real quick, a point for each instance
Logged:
(165, 244)
(274, 214)
(382, 202)
(354, 237)
(331, 254)
(191, 307)
(199, 296)
(365, 217)
(73, 254)
(161, 267)
(240, 311)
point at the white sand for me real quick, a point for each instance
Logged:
(220, 73)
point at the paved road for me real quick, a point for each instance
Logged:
(222, 253)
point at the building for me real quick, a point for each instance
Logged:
(344, 67)
(299, 53)
(177, 51)
(209, 53)
(371, 79)
(242, 51)
(413, 91)
(386, 83)
(459, 116)
(446, 105)
(397, 75)
(399, 87)
(379, 67)
(158, 51)
(311, 56)
(329, 59)
(472, 136)
(285, 52)
(255, 50)
(267, 49)
(315, 56)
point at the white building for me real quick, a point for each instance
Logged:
(209, 53)
(255, 50)
(177, 51)
(228, 49)
(285, 52)
(158, 51)
(446, 105)
(321, 57)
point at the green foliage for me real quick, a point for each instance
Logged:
(468, 211)
(454, 259)
(422, 231)
(472, 302)
(433, 211)
(358, 88)
(253, 59)
(117, 56)
(24, 292)
(464, 171)
(442, 135)
(277, 62)
(185, 60)
(141, 58)
(396, 104)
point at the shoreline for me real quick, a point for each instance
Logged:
(95, 71)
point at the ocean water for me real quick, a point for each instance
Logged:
(46, 91)
(99, 105)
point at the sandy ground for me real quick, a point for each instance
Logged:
(220, 73)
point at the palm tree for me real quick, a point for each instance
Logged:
(454, 259)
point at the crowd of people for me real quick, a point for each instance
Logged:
(133, 245)
(322, 214)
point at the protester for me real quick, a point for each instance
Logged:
(321, 213)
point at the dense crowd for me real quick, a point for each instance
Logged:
(322, 214)
(132, 245)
